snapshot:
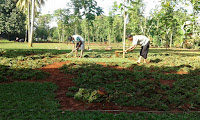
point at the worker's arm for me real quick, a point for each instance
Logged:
(79, 44)
(74, 46)
(131, 48)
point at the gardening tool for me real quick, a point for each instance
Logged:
(116, 53)
(71, 52)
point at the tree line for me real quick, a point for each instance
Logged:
(170, 24)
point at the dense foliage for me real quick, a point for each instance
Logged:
(12, 21)
(170, 24)
(166, 26)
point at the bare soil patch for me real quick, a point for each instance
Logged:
(64, 81)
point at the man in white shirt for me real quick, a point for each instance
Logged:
(78, 44)
(139, 40)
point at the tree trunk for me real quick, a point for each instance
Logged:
(75, 30)
(85, 38)
(157, 30)
(109, 38)
(32, 23)
(171, 40)
(88, 39)
(63, 35)
(103, 40)
(166, 38)
(145, 23)
(26, 39)
(124, 37)
(29, 17)
(98, 38)
(59, 36)
(8, 36)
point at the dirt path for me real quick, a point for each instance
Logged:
(64, 81)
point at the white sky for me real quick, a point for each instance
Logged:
(51, 5)
(106, 5)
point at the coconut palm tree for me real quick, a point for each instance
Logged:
(25, 5)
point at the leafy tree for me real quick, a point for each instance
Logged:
(63, 19)
(196, 25)
(42, 26)
(90, 10)
(54, 33)
(76, 16)
(98, 25)
(84, 28)
(25, 5)
(109, 23)
(135, 11)
(117, 29)
(11, 19)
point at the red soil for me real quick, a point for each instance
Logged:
(64, 81)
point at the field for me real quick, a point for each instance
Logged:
(42, 83)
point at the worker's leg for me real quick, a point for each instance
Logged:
(145, 51)
(81, 53)
(145, 60)
(141, 51)
(76, 53)
(82, 48)
(139, 59)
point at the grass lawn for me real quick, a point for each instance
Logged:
(169, 81)
(25, 100)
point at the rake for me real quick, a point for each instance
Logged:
(116, 53)
(71, 52)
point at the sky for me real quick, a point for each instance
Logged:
(51, 5)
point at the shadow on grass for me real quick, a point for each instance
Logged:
(8, 74)
(156, 60)
(140, 85)
(13, 53)
(24, 52)
(135, 86)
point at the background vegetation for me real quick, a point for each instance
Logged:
(170, 24)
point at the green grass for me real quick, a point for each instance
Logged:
(125, 87)
(20, 74)
(6, 41)
(23, 100)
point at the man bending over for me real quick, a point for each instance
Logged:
(139, 40)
